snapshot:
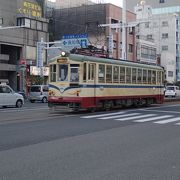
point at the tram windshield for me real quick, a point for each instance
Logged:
(63, 73)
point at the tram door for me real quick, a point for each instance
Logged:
(92, 80)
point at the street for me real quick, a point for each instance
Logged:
(125, 144)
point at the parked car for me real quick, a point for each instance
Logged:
(172, 91)
(38, 93)
(8, 97)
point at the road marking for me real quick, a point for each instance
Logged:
(124, 115)
(101, 115)
(154, 118)
(168, 120)
(160, 111)
(136, 117)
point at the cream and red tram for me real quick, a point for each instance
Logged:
(86, 82)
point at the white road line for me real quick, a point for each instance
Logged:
(136, 117)
(177, 124)
(153, 118)
(160, 111)
(101, 115)
(125, 115)
(168, 120)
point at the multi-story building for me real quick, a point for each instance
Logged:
(86, 19)
(130, 4)
(162, 25)
(21, 26)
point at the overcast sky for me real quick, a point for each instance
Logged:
(116, 2)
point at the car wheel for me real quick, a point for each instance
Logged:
(19, 104)
(44, 100)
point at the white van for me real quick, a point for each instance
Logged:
(10, 98)
(38, 93)
(172, 91)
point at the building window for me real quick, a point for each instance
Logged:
(147, 25)
(149, 36)
(45, 27)
(27, 23)
(161, 1)
(170, 73)
(164, 48)
(165, 23)
(164, 35)
(39, 25)
(130, 48)
(33, 24)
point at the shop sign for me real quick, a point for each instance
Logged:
(31, 9)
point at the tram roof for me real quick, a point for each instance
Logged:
(83, 58)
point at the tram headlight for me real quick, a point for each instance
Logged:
(63, 53)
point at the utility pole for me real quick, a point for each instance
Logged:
(123, 54)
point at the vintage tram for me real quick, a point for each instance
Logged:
(86, 82)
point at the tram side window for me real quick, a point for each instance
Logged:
(109, 74)
(63, 72)
(122, 74)
(101, 74)
(74, 76)
(84, 72)
(139, 77)
(149, 76)
(159, 77)
(134, 75)
(91, 68)
(154, 77)
(128, 75)
(53, 73)
(116, 74)
(144, 76)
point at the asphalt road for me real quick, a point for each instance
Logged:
(127, 144)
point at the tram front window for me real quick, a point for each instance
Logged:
(63, 73)
(74, 75)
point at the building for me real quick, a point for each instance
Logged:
(21, 26)
(153, 3)
(86, 19)
(162, 25)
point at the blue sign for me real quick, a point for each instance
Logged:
(74, 36)
(75, 40)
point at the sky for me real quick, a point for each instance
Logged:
(116, 2)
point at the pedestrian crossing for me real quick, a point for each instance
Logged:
(137, 117)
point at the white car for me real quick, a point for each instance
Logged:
(172, 91)
(10, 98)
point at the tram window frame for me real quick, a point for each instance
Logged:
(84, 72)
(115, 74)
(159, 77)
(53, 70)
(122, 74)
(154, 75)
(139, 76)
(108, 73)
(59, 73)
(145, 75)
(134, 75)
(149, 76)
(128, 75)
(101, 73)
(91, 72)
(72, 67)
